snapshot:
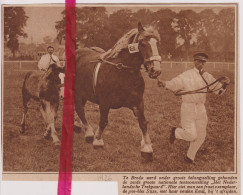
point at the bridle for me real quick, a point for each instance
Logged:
(153, 58)
(121, 66)
(200, 90)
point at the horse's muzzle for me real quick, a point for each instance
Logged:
(154, 75)
(155, 71)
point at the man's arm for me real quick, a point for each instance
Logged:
(174, 84)
(41, 63)
(57, 61)
(219, 87)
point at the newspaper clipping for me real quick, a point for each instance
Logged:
(156, 96)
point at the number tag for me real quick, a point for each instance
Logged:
(133, 48)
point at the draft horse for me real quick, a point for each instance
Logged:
(113, 80)
(43, 87)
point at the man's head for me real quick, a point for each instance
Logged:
(199, 60)
(50, 49)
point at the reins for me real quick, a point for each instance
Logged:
(182, 92)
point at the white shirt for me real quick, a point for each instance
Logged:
(191, 80)
(46, 60)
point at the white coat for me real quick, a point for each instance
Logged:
(193, 113)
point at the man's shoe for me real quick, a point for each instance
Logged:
(190, 161)
(172, 135)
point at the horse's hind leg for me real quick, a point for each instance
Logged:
(146, 145)
(89, 131)
(26, 99)
(98, 140)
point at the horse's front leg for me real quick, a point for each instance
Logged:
(146, 145)
(98, 140)
(50, 119)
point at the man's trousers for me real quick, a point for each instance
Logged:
(194, 123)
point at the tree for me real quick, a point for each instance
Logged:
(167, 33)
(14, 22)
(187, 25)
(92, 27)
(120, 22)
(60, 26)
(227, 32)
(47, 39)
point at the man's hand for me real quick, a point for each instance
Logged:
(226, 80)
(161, 83)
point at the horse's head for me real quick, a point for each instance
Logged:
(55, 77)
(52, 73)
(148, 39)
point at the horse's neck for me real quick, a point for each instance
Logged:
(131, 59)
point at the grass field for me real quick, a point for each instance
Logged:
(30, 152)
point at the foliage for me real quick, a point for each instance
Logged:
(14, 22)
(187, 24)
(91, 27)
(182, 33)
(47, 39)
(60, 28)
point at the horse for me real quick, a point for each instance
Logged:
(113, 80)
(43, 87)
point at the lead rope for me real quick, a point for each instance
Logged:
(201, 74)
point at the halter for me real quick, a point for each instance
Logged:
(153, 58)
(182, 92)
(150, 59)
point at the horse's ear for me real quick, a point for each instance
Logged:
(140, 27)
(61, 69)
(155, 24)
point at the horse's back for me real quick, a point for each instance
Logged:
(85, 55)
(31, 82)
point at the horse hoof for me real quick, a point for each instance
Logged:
(89, 139)
(98, 143)
(77, 129)
(56, 143)
(21, 131)
(147, 156)
(47, 136)
(98, 147)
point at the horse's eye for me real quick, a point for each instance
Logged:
(142, 43)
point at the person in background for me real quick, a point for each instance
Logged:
(193, 113)
(45, 62)
(48, 59)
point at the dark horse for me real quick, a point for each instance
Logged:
(43, 87)
(113, 80)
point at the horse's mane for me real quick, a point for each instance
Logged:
(126, 39)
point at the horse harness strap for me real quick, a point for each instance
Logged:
(120, 65)
(153, 58)
(201, 74)
(95, 75)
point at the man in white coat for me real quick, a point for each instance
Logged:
(193, 113)
(48, 59)
(44, 64)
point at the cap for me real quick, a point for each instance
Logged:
(200, 56)
(50, 47)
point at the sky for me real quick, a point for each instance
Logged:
(41, 21)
